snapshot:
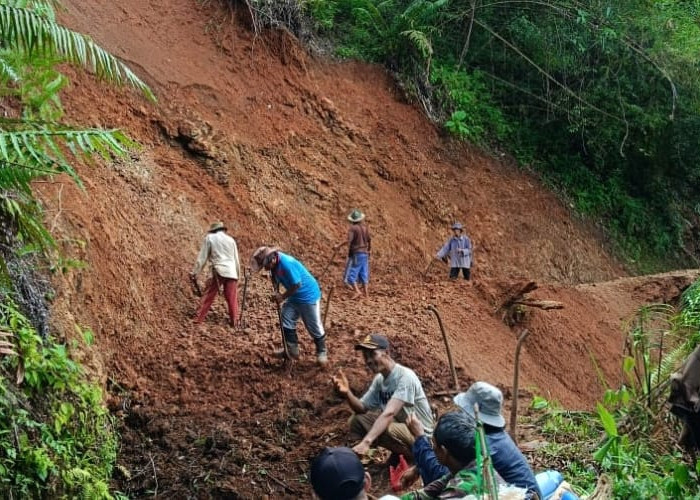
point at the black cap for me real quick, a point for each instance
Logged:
(373, 342)
(337, 474)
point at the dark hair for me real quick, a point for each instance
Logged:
(456, 431)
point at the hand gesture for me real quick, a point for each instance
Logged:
(361, 448)
(409, 477)
(414, 426)
(340, 381)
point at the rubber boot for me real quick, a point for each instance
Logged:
(321, 352)
(290, 338)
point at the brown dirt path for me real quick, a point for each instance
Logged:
(280, 146)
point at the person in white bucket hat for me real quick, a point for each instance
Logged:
(507, 459)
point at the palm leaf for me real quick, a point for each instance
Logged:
(8, 71)
(33, 33)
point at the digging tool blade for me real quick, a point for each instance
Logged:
(195, 285)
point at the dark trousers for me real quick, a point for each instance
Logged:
(454, 272)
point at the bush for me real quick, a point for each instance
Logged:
(56, 438)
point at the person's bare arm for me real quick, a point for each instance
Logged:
(393, 407)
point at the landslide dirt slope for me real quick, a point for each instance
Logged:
(280, 146)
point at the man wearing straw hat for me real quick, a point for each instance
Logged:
(359, 242)
(459, 249)
(301, 299)
(221, 251)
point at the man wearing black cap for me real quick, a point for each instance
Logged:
(395, 393)
(337, 474)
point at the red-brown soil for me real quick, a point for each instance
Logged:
(281, 146)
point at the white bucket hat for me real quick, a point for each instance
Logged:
(490, 400)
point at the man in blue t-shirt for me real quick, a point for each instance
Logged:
(301, 298)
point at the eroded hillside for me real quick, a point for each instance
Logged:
(280, 146)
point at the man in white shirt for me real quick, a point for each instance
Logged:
(221, 251)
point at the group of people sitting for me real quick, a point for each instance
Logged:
(395, 414)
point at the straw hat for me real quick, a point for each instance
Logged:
(257, 260)
(217, 226)
(356, 216)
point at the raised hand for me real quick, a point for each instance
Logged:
(340, 381)
(414, 425)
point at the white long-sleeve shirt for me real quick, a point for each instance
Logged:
(220, 249)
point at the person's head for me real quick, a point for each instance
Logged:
(457, 228)
(338, 474)
(270, 261)
(355, 217)
(490, 401)
(376, 351)
(215, 227)
(263, 258)
(454, 440)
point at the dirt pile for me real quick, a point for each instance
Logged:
(281, 146)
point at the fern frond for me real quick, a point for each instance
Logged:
(420, 41)
(34, 33)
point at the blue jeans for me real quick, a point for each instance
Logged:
(357, 269)
(310, 314)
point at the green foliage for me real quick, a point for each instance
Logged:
(34, 143)
(56, 438)
(601, 98)
(477, 119)
(631, 435)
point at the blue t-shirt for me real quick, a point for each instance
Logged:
(290, 272)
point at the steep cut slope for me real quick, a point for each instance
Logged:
(280, 146)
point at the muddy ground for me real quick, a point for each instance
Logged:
(281, 145)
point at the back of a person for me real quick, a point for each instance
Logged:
(509, 462)
(223, 248)
(360, 239)
(309, 292)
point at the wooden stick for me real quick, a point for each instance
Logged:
(447, 347)
(325, 269)
(516, 369)
(430, 264)
(328, 306)
(542, 304)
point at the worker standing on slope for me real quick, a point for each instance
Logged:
(459, 249)
(220, 249)
(359, 242)
(301, 298)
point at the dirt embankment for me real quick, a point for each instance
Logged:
(281, 146)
